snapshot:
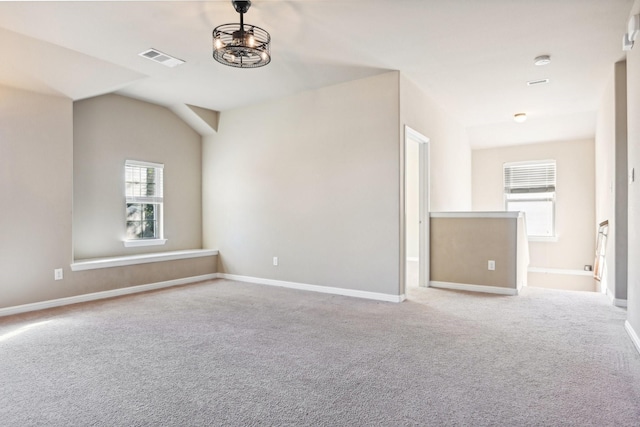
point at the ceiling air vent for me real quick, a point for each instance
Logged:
(162, 58)
(537, 82)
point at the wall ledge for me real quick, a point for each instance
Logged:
(473, 288)
(315, 288)
(632, 334)
(569, 272)
(8, 311)
(474, 214)
(95, 263)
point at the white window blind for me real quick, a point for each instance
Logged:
(143, 182)
(530, 187)
(530, 177)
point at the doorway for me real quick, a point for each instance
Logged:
(416, 210)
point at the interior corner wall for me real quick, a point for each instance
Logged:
(633, 135)
(621, 187)
(605, 170)
(36, 164)
(312, 179)
(110, 129)
(449, 149)
(575, 198)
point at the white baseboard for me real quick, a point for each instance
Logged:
(473, 288)
(632, 334)
(616, 301)
(315, 288)
(8, 311)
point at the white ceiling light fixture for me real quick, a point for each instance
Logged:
(542, 60)
(240, 45)
(520, 117)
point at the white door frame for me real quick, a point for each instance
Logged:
(411, 135)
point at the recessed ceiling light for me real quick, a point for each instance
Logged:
(537, 82)
(520, 117)
(542, 60)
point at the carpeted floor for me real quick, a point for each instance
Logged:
(228, 353)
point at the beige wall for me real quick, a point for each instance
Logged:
(633, 103)
(605, 175)
(35, 188)
(449, 150)
(462, 247)
(315, 179)
(110, 129)
(36, 185)
(105, 279)
(312, 179)
(575, 199)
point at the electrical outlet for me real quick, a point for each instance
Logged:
(275, 260)
(57, 274)
(491, 265)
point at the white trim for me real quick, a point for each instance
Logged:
(415, 135)
(8, 311)
(315, 288)
(144, 164)
(528, 162)
(92, 264)
(632, 334)
(423, 206)
(559, 271)
(622, 303)
(144, 242)
(413, 259)
(497, 214)
(473, 288)
(618, 302)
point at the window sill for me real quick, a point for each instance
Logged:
(143, 242)
(93, 264)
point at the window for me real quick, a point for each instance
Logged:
(530, 187)
(143, 188)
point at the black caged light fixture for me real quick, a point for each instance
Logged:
(240, 45)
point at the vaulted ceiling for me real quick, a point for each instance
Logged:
(473, 57)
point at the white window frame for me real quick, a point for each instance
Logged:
(156, 199)
(535, 183)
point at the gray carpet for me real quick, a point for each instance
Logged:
(228, 353)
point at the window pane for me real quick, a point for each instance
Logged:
(538, 214)
(148, 229)
(134, 212)
(149, 212)
(134, 230)
(143, 186)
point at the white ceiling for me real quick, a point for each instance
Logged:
(473, 57)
